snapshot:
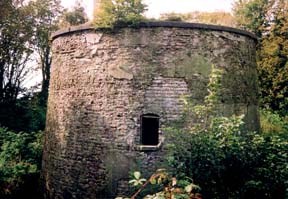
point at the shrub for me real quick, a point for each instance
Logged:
(20, 160)
(168, 187)
(224, 160)
(274, 123)
(116, 12)
(227, 164)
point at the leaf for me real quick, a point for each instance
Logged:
(189, 188)
(137, 182)
(137, 174)
(132, 181)
(153, 181)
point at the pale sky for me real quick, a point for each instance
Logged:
(155, 7)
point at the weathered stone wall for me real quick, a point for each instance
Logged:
(102, 82)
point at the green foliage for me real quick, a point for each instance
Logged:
(25, 28)
(273, 123)
(203, 114)
(15, 49)
(26, 114)
(76, 16)
(20, 158)
(224, 160)
(34, 112)
(170, 187)
(252, 14)
(273, 62)
(226, 163)
(111, 13)
(269, 21)
(45, 15)
(137, 179)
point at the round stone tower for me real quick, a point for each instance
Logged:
(111, 94)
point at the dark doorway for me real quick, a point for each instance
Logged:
(150, 129)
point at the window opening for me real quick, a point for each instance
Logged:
(150, 129)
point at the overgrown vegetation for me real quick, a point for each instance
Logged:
(20, 163)
(73, 17)
(269, 21)
(167, 186)
(273, 123)
(226, 161)
(213, 151)
(228, 164)
(25, 29)
(112, 13)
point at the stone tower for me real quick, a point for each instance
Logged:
(112, 93)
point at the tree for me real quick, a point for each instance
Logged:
(74, 17)
(15, 49)
(111, 13)
(253, 15)
(45, 15)
(273, 60)
(25, 30)
(269, 21)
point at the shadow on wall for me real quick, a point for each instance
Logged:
(84, 161)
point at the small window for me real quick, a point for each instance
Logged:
(150, 129)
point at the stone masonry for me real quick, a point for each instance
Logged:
(102, 82)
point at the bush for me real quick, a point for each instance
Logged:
(223, 159)
(20, 162)
(227, 164)
(119, 12)
(274, 123)
(167, 187)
